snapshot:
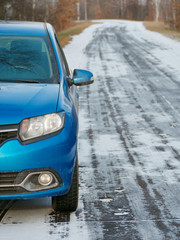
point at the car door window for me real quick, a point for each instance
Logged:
(63, 58)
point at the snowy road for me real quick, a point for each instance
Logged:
(129, 143)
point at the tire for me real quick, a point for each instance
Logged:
(68, 202)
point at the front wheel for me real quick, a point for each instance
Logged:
(68, 202)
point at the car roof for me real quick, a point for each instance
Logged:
(22, 28)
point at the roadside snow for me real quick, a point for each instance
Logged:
(74, 50)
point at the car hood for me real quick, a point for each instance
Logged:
(24, 100)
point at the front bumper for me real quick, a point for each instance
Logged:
(56, 155)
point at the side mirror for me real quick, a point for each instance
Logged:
(82, 77)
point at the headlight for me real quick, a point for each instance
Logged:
(40, 126)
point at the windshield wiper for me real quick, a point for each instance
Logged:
(20, 80)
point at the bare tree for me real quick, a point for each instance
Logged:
(63, 13)
(4, 5)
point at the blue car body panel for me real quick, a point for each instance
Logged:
(22, 100)
(19, 101)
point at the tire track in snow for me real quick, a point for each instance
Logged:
(150, 202)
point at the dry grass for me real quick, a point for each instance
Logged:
(160, 27)
(65, 36)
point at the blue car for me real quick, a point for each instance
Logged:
(38, 116)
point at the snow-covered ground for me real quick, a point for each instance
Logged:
(167, 51)
(129, 142)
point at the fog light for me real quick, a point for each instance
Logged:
(45, 179)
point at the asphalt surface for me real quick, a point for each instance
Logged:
(129, 150)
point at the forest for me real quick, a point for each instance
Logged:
(62, 12)
(149, 10)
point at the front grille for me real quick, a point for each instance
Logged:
(8, 178)
(8, 132)
(7, 190)
(6, 136)
(8, 184)
(12, 190)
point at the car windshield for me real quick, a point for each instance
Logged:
(27, 59)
